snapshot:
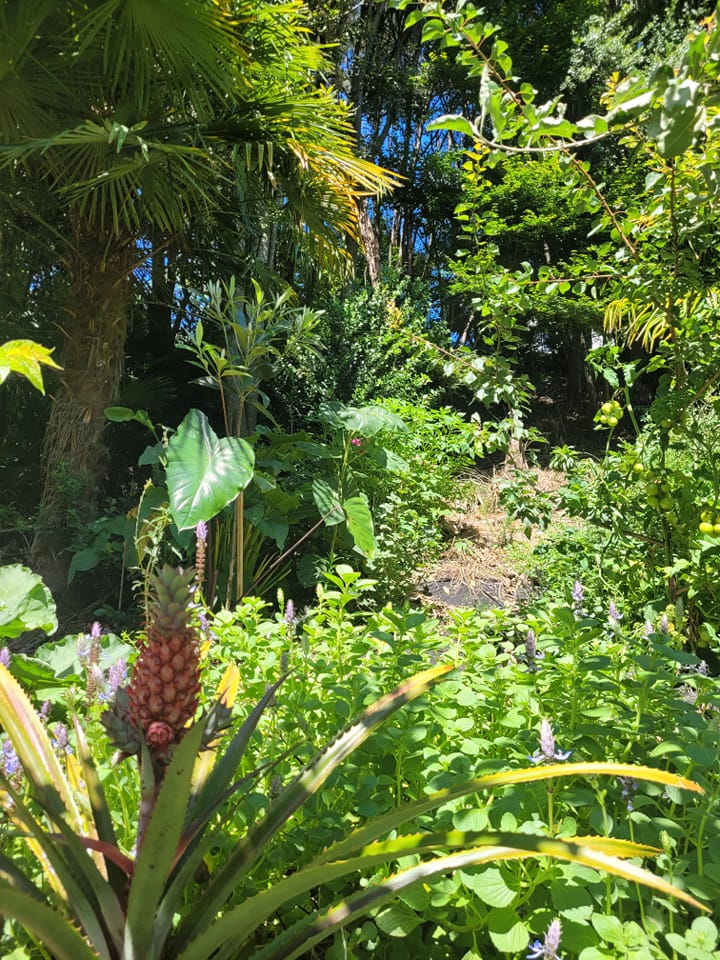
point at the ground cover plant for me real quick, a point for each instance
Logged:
(560, 735)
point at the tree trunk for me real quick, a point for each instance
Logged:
(370, 240)
(74, 457)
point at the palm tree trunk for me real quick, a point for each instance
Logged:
(74, 457)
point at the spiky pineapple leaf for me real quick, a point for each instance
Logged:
(98, 804)
(87, 895)
(32, 745)
(54, 931)
(237, 925)
(382, 825)
(157, 850)
(294, 795)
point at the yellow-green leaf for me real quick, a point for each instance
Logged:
(24, 357)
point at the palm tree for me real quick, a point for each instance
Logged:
(149, 124)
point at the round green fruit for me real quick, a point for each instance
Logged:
(706, 528)
(638, 468)
(607, 408)
(666, 503)
(612, 421)
(653, 502)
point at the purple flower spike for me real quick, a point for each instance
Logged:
(548, 949)
(548, 748)
(5, 657)
(201, 531)
(117, 675)
(629, 787)
(578, 597)
(60, 741)
(95, 631)
(9, 760)
(664, 625)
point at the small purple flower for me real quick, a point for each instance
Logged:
(532, 654)
(205, 628)
(648, 629)
(5, 657)
(578, 597)
(9, 760)
(629, 788)
(201, 531)
(289, 613)
(44, 711)
(548, 749)
(117, 675)
(95, 632)
(60, 740)
(664, 625)
(548, 949)
(614, 615)
(84, 646)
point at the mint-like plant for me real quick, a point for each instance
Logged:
(97, 901)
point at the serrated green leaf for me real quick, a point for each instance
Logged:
(507, 932)
(50, 927)
(397, 920)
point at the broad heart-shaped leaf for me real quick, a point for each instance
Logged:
(24, 357)
(25, 602)
(204, 472)
(360, 524)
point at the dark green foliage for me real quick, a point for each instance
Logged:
(366, 353)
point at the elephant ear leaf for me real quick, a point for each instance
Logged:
(204, 472)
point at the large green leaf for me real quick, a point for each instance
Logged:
(327, 501)
(366, 421)
(25, 602)
(360, 524)
(204, 472)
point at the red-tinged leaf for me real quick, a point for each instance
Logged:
(32, 745)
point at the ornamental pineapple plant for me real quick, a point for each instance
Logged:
(162, 696)
(163, 692)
